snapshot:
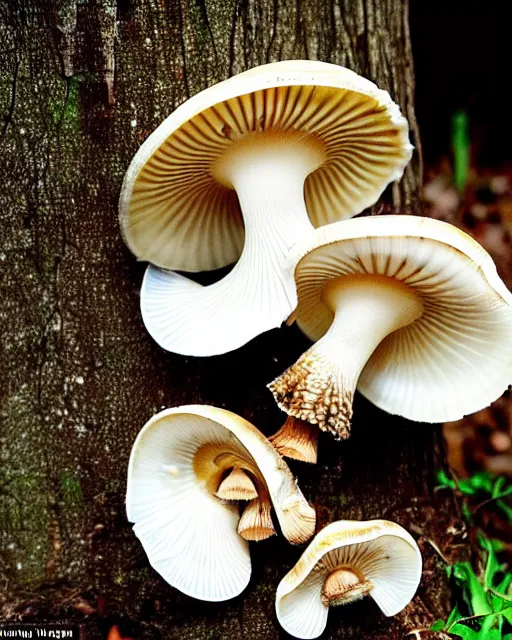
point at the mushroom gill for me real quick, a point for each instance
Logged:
(344, 562)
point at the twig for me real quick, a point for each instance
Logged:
(417, 633)
(489, 500)
(438, 551)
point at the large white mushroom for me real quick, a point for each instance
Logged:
(410, 310)
(188, 467)
(344, 562)
(240, 172)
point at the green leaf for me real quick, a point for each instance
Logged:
(468, 487)
(445, 481)
(497, 545)
(464, 632)
(490, 621)
(486, 631)
(492, 634)
(487, 624)
(453, 617)
(497, 603)
(438, 625)
(504, 585)
(492, 566)
(507, 614)
(473, 592)
(482, 482)
(466, 511)
(506, 509)
(498, 485)
(461, 149)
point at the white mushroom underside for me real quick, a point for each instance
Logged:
(259, 293)
(176, 466)
(189, 536)
(455, 359)
(389, 563)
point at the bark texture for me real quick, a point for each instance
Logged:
(82, 84)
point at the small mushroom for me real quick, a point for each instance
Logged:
(344, 562)
(237, 485)
(232, 175)
(187, 468)
(410, 310)
(297, 439)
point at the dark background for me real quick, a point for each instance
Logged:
(462, 59)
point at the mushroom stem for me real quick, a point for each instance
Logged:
(297, 439)
(297, 519)
(256, 521)
(319, 387)
(268, 173)
(237, 486)
(344, 585)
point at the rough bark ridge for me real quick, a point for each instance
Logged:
(82, 83)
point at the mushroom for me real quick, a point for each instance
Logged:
(297, 439)
(187, 467)
(344, 562)
(410, 310)
(232, 175)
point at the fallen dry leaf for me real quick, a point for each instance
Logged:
(114, 634)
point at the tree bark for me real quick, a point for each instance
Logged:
(82, 84)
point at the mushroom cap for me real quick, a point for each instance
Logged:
(453, 360)
(382, 551)
(175, 214)
(190, 535)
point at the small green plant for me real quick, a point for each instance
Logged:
(461, 149)
(483, 608)
(483, 489)
(483, 605)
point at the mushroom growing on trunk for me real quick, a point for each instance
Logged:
(409, 310)
(344, 562)
(188, 467)
(240, 172)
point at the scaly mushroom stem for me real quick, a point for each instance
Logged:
(256, 521)
(297, 439)
(344, 585)
(319, 387)
(237, 486)
(268, 171)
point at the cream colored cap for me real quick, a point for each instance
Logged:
(380, 551)
(453, 360)
(177, 215)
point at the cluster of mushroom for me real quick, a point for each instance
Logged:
(188, 469)
(267, 168)
(190, 466)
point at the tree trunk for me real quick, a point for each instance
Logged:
(82, 84)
